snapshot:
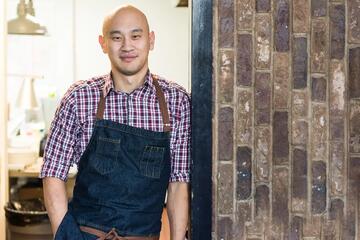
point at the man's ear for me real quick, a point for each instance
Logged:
(152, 39)
(102, 43)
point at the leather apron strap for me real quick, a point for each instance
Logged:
(101, 108)
(161, 99)
(163, 106)
(112, 235)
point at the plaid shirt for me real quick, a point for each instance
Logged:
(74, 120)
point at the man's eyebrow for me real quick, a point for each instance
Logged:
(114, 32)
(137, 30)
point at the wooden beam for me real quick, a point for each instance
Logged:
(3, 119)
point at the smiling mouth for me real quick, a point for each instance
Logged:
(127, 58)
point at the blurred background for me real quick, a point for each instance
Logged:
(49, 45)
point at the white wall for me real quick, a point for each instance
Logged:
(170, 58)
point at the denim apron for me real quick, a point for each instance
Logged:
(122, 179)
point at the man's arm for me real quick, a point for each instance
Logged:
(59, 155)
(178, 209)
(56, 200)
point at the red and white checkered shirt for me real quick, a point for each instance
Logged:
(74, 120)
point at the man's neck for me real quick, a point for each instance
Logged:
(127, 84)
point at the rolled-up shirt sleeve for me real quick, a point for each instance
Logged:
(60, 146)
(180, 143)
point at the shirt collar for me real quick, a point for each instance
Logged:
(109, 83)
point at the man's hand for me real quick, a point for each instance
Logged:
(178, 209)
(56, 201)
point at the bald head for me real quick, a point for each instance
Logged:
(124, 12)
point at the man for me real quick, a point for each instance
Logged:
(129, 132)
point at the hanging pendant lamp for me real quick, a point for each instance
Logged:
(25, 23)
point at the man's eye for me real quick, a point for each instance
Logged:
(115, 38)
(136, 36)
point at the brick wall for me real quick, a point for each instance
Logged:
(287, 119)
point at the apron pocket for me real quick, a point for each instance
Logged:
(151, 162)
(105, 159)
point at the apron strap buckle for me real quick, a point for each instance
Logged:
(112, 235)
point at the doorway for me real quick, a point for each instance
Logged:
(201, 95)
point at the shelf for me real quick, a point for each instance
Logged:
(32, 170)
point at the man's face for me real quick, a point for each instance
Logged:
(127, 42)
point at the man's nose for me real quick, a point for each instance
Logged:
(127, 44)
